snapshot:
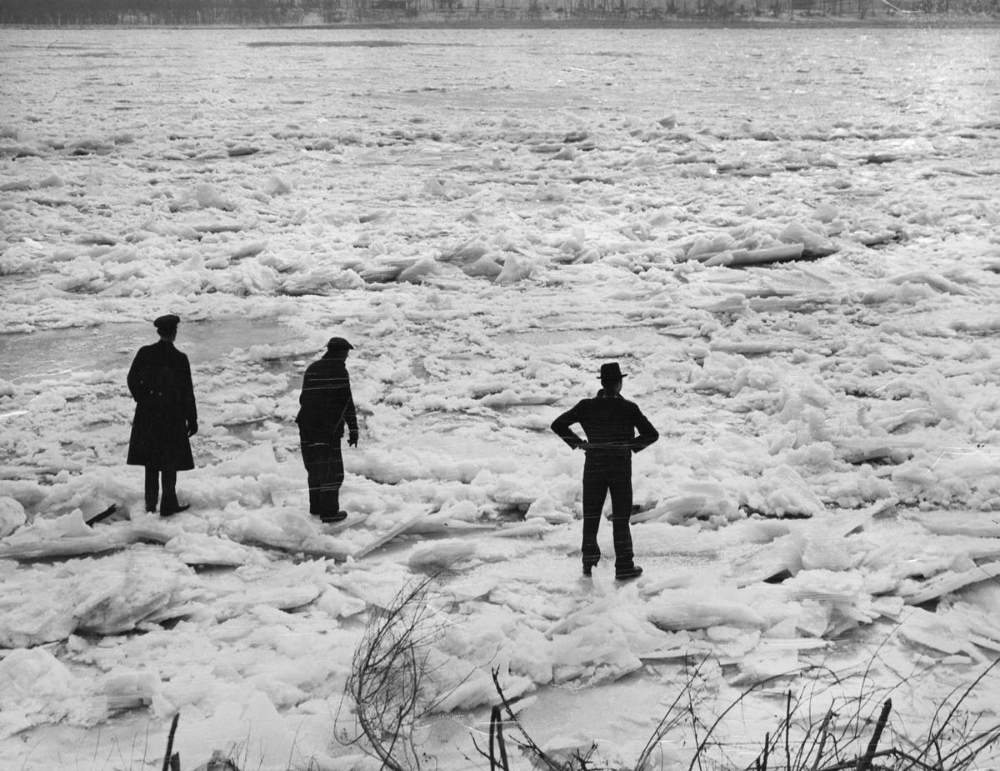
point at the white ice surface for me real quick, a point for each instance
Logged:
(488, 216)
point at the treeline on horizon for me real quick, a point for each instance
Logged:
(278, 12)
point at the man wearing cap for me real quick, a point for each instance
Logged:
(165, 416)
(326, 405)
(610, 423)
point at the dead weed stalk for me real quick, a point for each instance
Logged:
(846, 736)
(392, 697)
(388, 683)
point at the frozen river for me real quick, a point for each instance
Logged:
(488, 215)
(172, 88)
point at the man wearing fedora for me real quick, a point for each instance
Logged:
(326, 405)
(615, 428)
(165, 416)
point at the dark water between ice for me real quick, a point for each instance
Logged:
(542, 337)
(62, 352)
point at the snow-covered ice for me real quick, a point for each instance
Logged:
(789, 238)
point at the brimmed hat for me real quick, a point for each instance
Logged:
(166, 323)
(611, 371)
(338, 344)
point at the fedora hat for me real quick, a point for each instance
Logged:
(611, 371)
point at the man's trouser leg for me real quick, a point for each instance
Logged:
(168, 501)
(334, 478)
(620, 483)
(314, 456)
(152, 486)
(595, 490)
(325, 471)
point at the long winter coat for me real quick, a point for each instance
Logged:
(160, 382)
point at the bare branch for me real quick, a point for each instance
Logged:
(528, 744)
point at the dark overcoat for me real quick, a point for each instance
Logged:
(160, 382)
(326, 403)
(615, 428)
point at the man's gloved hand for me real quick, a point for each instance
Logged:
(192, 428)
(582, 446)
(352, 440)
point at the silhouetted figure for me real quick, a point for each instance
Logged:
(165, 416)
(610, 423)
(326, 405)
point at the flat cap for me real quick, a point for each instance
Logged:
(170, 321)
(338, 344)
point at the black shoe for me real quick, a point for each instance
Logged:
(627, 574)
(340, 516)
(175, 510)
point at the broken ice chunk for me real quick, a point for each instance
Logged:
(441, 555)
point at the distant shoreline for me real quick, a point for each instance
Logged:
(804, 22)
(754, 23)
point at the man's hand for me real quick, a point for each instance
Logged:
(352, 441)
(583, 446)
(192, 428)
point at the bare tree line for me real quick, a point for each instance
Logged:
(156, 12)
(279, 12)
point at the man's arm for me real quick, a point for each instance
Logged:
(647, 434)
(190, 408)
(561, 426)
(351, 418)
(136, 382)
(308, 396)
